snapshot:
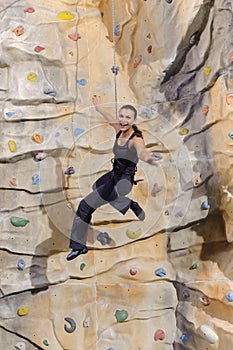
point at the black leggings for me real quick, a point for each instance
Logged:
(110, 188)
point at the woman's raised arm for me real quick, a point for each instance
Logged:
(97, 102)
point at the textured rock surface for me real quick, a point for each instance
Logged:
(169, 278)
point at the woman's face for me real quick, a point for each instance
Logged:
(126, 119)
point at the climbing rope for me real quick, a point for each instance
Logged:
(115, 68)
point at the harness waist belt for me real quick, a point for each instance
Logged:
(120, 168)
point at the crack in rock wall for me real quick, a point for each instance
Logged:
(163, 283)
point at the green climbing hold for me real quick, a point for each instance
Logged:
(121, 315)
(194, 266)
(82, 266)
(45, 342)
(19, 222)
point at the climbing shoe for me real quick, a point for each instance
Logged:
(76, 252)
(138, 211)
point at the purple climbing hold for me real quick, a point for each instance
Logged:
(40, 156)
(160, 272)
(117, 29)
(185, 294)
(103, 238)
(69, 171)
(70, 328)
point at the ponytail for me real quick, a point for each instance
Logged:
(137, 131)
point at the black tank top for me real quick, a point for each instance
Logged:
(127, 156)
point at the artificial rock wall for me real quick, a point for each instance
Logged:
(165, 283)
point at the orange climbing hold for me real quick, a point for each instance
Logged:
(18, 30)
(74, 36)
(37, 138)
(137, 61)
(229, 98)
(205, 110)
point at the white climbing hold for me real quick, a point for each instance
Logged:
(208, 334)
(20, 346)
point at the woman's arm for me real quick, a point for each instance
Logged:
(97, 102)
(142, 153)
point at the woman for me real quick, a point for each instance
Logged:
(112, 187)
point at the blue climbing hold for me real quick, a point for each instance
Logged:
(35, 179)
(78, 131)
(205, 205)
(111, 349)
(57, 134)
(185, 294)
(50, 92)
(82, 82)
(69, 171)
(160, 272)
(10, 114)
(184, 337)
(21, 264)
(229, 296)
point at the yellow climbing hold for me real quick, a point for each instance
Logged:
(23, 310)
(32, 77)
(183, 131)
(133, 234)
(12, 145)
(65, 15)
(207, 70)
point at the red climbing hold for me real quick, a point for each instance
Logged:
(149, 49)
(29, 10)
(159, 335)
(39, 48)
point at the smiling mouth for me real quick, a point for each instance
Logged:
(124, 124)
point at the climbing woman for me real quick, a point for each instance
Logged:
(113, 186)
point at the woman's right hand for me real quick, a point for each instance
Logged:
(97, 101)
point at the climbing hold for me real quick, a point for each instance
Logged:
(37, 138)
(133, 272)
(196, 180)
(207, 70)
(117, 29)
(111, 349)
(40, 156)
(82, 266)
(21, 264)
(12, 145)
(157, 156)
(82, 82)
(69, 171)
(86, 322)
(72, 325)
(103, 238)
(184, 337)
(229, 296)
(205, 110)
(156, 189)
(183, 131)
(18, 30)
(229, 98)
(31, 77)
(169, 1)
(208, 334)
(45, 342)
(204, 300)
(57, 134)
(50, 92)
(185, 294)
(23, 310)
(74, 36)
(160, 272)
(194, 38)
(159, 335)
(35, 179)
(121, 315)
(39, 48)
(78, 131)
(149, 49)
(205, 205)
(18, 222)
(148, 36)
(20, 346)
(13, 181)
(65, 15)
(137, 61)
(232, 57)
(133, 234)
(29, 10)
(166, 213)
(10, 114)
(194, 266)
(231, 135)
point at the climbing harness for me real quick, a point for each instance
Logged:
(115, 68)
